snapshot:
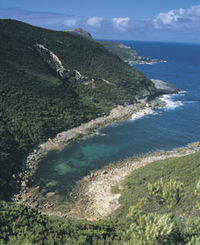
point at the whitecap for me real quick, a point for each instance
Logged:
(142, 113)
(99, 133)
(182, 92)
(170, 103)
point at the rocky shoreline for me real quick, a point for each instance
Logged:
(62, 139)
(93, 198)
(140, 60)
(97, 195)
(30, 195)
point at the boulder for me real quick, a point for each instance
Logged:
(50, 194)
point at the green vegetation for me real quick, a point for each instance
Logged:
(149, 229)
(24, 226)
(175, 180)
(158, 207)
(159, 203)
(35, 103)
(124, 52)
(115, 189)
(169, 193)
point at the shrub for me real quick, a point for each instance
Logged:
(148, 228)
(168, 194)
(197, 194)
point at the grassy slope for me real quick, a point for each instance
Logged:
(19, 224)
(185, 169)
(35, 104)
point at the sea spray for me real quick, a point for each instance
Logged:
(170, 102)
(143, 113)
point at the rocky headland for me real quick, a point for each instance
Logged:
(127, 54)
(163, 87)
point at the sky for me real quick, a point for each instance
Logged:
(150, 20)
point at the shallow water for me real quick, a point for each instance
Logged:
(163, 129)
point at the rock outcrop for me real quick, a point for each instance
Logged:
(55, 64)
(163, 87)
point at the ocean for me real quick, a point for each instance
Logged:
(164, 129)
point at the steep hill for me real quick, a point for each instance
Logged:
(127, 54)
(52, 81)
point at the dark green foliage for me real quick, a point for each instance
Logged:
(143, 221)
(124, 52)
(35, 104)
(22, 225)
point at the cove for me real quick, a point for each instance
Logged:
(163, 129)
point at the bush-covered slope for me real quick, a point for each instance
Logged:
(160, 205)
(126, 53)
(22, 226)
(185, 170)
(35, 103)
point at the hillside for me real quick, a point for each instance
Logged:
(184, 170)
(127, 54)
(159, 205)
(52, 81)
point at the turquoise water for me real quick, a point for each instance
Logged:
(174, 126)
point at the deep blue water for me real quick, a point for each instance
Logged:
(165, 129)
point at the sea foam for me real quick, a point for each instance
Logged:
(170, 102)
(142, 113)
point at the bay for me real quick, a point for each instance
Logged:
(163, 129)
